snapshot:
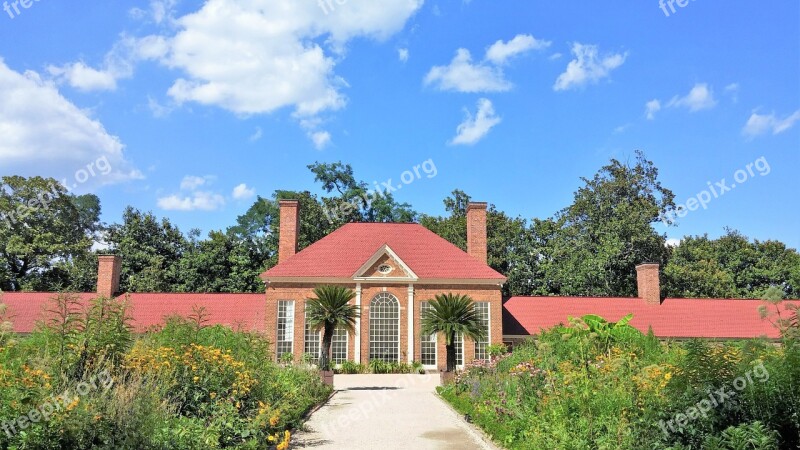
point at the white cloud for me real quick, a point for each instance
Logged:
(462, 75)
(651, 108)
(158, 110)
(473, 129)
(118, 64)
(45, 134)
(500, 52)
(733, 90)
(196, 201)
(257, 135)
(699, 98)
(465, 75)
(160, 11)
(402, 54)
(672, 242)
(321, 139)
(588, 67)
(759, 124)
(622, 128)
(85, 78)
(191, 182)
(259, 56)
(242, 192)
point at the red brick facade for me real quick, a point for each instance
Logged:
(386, 272)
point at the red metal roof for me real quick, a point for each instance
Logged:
(343, 252)
(239, 311)
(674, 318)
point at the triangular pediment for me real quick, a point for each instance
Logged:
(384, 264)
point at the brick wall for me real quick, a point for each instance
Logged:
(649, 284)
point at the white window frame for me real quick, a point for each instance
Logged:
(434, 338)
(286, 313)
(488, 322)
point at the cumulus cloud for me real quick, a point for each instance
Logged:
(588, 67)
(242, 192)
(46, 134)
(257, 135)
(759, 124)
(474, 128)
(465, 75)
(118, 64)
(321, 139)
(262, 55)
(500, 52)
(699, 98)
(651, 108)
(193, 199)
(462, 75)
(196, 201)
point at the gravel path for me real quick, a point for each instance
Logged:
(387, 412)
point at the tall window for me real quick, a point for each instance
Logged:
(285, 327)
(313, 344)
(427, 346)
(459, 349)
(384, 328)
(482, 309)
(312, 341)
(339, 346)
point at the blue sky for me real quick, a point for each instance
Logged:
(190, 108)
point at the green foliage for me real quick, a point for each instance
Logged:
(182, 387)
(41, 226)
(329, 310)
(731, 267)
(586, 386)
(452, 315)
(511, 250)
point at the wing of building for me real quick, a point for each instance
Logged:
(394, 270)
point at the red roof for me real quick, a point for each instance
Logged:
(238, 311)
(674, 318)
(343, 252)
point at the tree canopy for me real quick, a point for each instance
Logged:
(589, 248)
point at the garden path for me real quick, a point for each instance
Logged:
(387, 412)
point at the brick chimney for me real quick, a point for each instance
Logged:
(647, 278)
(289, 228)
(476, 231)
(109, 269)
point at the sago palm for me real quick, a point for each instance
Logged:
(452, 314)
(328, 310)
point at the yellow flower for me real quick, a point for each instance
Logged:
(213, 395)
(196, 379)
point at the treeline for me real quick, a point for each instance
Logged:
(591, 247)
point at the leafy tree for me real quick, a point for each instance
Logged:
(731, 267)
(593, 246)
(328, 311)
(151, 250)
(510, 243)
(41, 225)
(450, 315)
(221, 263)
(357, 201)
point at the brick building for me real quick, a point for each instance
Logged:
(394, 269)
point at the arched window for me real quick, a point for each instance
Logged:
(384, 328)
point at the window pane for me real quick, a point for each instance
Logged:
(427, 343)
(285, 328)
(312, 341)
(482, 309)
(384, 328)
(339, 346)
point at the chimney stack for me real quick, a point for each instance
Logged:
(109, 269)
(476, 231)
(647, 278)
(289, 228)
